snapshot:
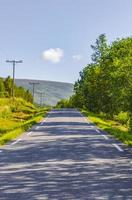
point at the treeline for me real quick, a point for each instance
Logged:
(105, 85)
(6, 90)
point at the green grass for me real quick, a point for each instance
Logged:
(17, 116)
(114, 128)
(8, 136)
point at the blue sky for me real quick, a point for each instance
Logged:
(53, 37)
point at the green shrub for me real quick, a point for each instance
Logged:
(5, 112)
(64, 103)
(130, 124)
(122, 117)
(112, 127)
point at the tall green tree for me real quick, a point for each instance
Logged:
(8, 86)
(100, 49)
(2, 88)
(105, 85)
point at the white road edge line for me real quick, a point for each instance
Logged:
(16, 142)
(105, 137)
(97, 131)
(37, 127)
(29, 133)
(117, 147)
(45, 119)
(1, 151)
(47, 116)
(85, 118)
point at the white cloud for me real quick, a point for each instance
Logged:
(53, 55)
(77, 57)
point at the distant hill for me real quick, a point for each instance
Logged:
(52, 91)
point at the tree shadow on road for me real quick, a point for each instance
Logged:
(65, 161)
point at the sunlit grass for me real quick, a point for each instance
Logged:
(16, 117)
(10, 135)
(112, 127)
(8, 125)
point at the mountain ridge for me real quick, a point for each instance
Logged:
(47, 92)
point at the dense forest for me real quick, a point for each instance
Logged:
(6, 90)
(105, 85)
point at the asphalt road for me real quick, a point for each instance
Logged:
(65, 157)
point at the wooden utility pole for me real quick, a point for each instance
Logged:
(13, 82)
(33, 85)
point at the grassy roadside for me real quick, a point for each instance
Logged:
(10, 135)
(114, 128)
(16, 117)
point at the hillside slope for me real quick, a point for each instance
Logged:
(52, 91)
(16, 116)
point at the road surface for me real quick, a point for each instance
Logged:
(65, 157)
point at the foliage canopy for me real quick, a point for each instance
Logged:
(105, 85)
